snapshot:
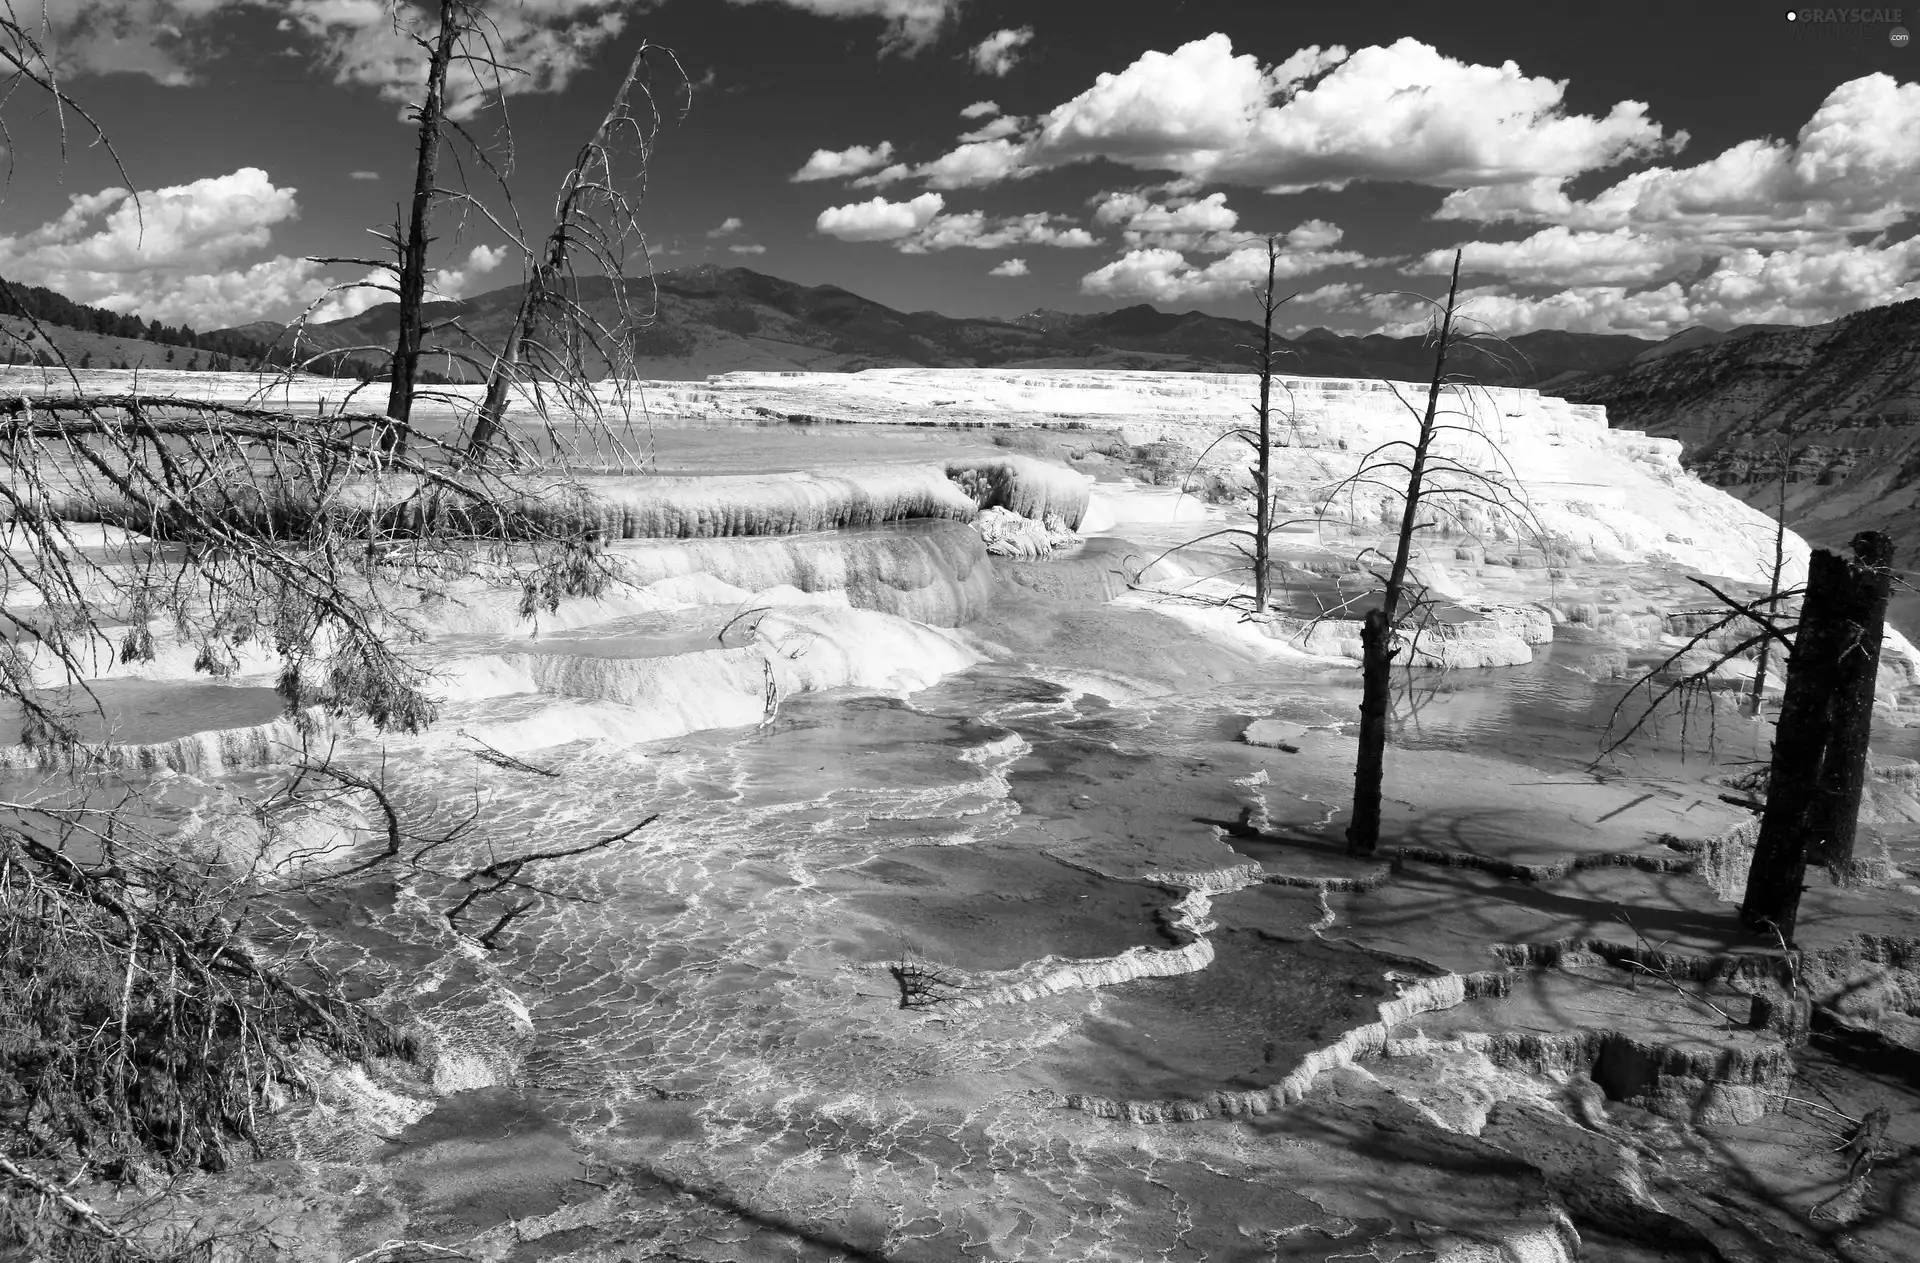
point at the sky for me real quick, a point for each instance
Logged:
(1622, 167)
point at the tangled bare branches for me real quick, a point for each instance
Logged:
(138, 525)
(138, 1022)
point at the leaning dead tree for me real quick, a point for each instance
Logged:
(556, 341)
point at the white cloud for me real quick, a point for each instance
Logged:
(182, 255)
(999, 129)
(981, 109)
(363, 175)
(973, 230)
(1324, 118)
(1181, 224)
(1000, 52)
(911, 24)
(877, 219)
(1788, 286)
(748, 249)
(1009, 267)
(728, 226)
(1314, 234)
(1561, 256)
(1337, 294)
(1765, 231)
(883, 177)
(838, 164)
(446, 283)
(1854, 166)
(919, 226)
(196, 225)
(974, 164)
(550, 40)
(1158, 274)
(344, 301)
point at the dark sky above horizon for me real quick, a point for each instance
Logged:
(1626, 167)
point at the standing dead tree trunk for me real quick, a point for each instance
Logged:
(1255, 543)
(411, 281)
(1263, 464)
(1819, 754)
(1779, 564)
(1843, 771)
(1376, 633)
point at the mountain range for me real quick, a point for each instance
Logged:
(709, 319)
(1832, 409)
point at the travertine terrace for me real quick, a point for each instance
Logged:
(971, 926)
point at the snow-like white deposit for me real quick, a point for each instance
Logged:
(1604, 494)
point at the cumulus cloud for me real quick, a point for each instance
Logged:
(1563, 256)
(974, 164)
(973, 230)
(877, 219)
(919, 226)
(728, 226)
(182, 254)
(981, 109)
(1854, 166)
(883, 177)
(1009, 267)
(197, 225)
(177, 265)
(1785, 286)
(1337, 294)
(1205, 224)
(1001, 128)
(911, 25)
(1159, 274)
(447, 283)
(1767, 230)
(343, 301)
(838, 164)
(1324, 118)
(550, 40)
(1000, 52)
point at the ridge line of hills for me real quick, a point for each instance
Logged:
(711, 319)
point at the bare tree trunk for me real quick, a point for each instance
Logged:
(1843, 772)
(1376, 661)
(585, 179)
(1809, 784)
(1263, 469)
(1779, 564)
(411, 281)
(493, 408)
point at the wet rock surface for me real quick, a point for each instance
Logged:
(1161, 1013)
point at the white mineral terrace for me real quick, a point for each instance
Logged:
(1164, 1017)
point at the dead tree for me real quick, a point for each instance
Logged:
(1263, 447)
(556, 342)
(1819, 752)
(1779, 566)
(1377, 628)
(456, 21)
(1255, 543)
